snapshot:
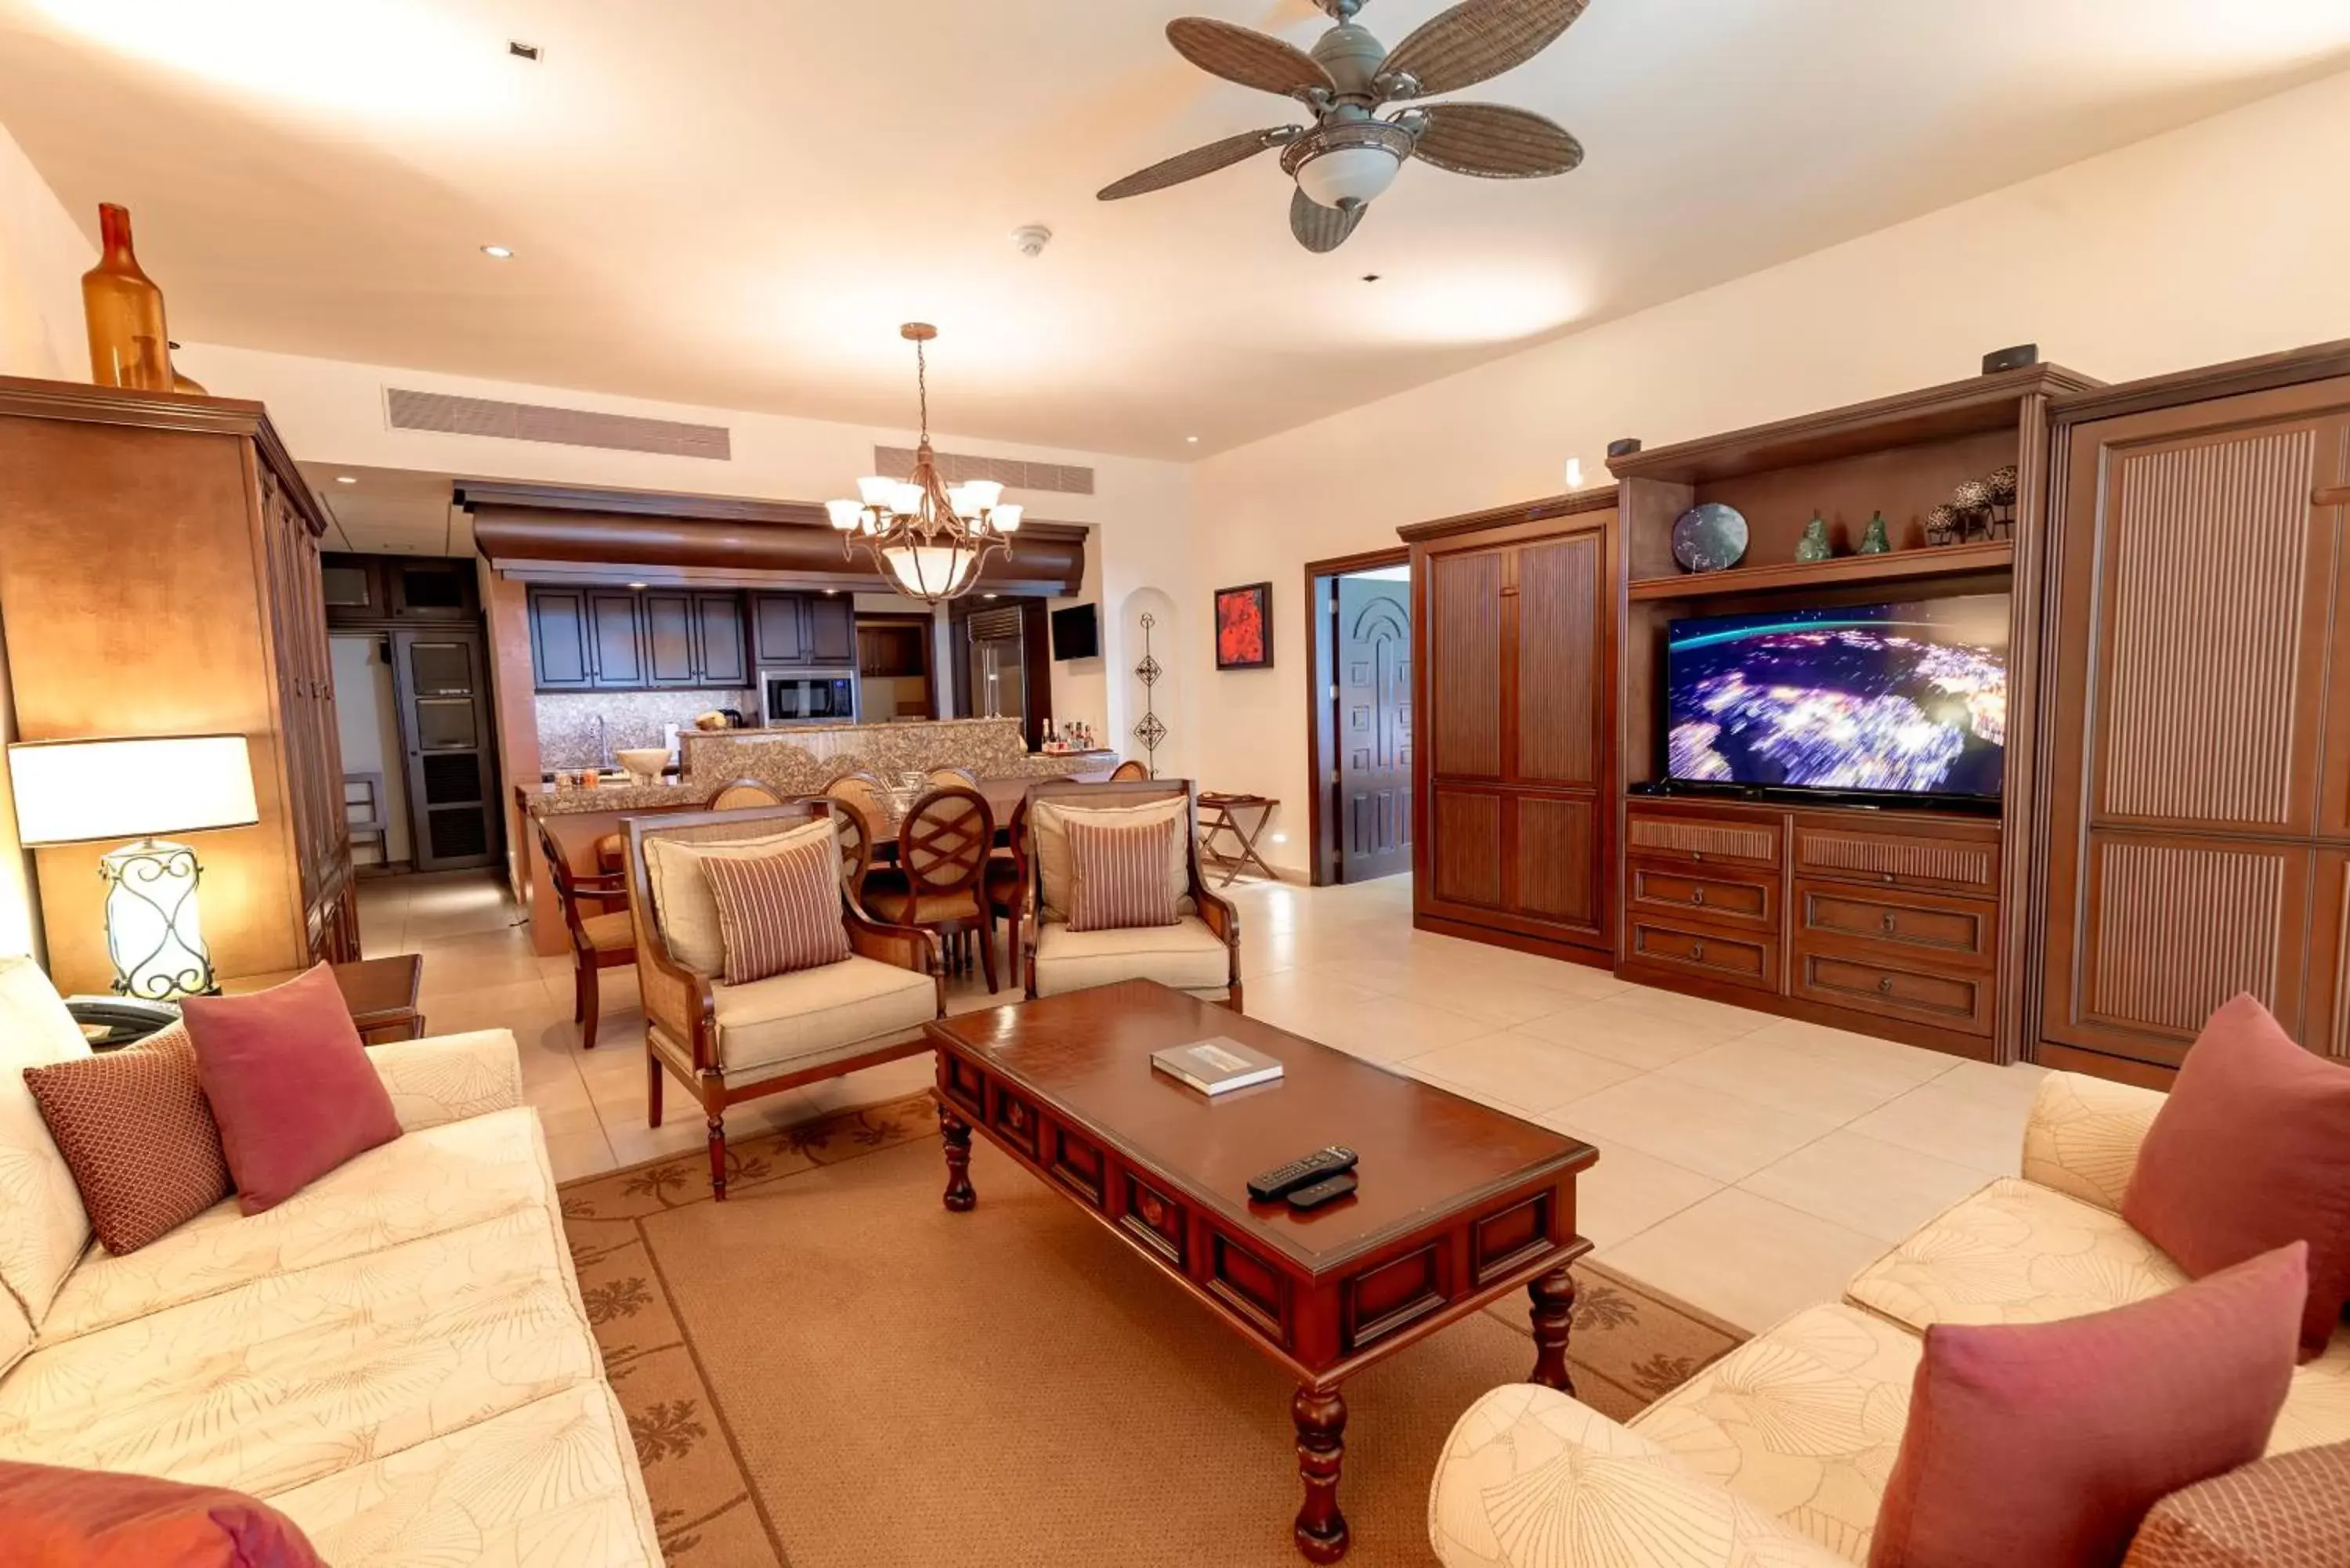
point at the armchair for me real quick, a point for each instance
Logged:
(729, 1044)
(1200, 953)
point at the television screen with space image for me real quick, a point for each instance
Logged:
(1904, 697)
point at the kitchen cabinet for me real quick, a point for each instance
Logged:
(803, 628)
(559, 640)
(721, 658)
(831, 629)
(668, 640)
(612, 640)
(616, 638)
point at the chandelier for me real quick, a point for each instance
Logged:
(928, 538)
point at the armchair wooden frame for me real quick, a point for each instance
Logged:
(586, 958)
(1027, 905)
(681, 1019)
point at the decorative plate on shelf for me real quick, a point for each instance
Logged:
(1709, 538)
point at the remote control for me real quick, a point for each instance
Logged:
(1282, 1180)
(1328, 1189)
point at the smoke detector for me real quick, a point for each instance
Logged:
(1030, 240)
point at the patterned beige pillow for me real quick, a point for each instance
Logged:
(682, 903)
(43, 1226)
(1047, 825)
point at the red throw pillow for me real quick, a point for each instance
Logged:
(2046, 1443)
(2250, 1151)
(289, 1083)
(1119, 874)
(137, 1134)
(51, 1517)
(779, 913)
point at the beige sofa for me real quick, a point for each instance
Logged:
(397, 1357)
(1777, 1455)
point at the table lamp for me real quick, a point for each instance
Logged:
(85, 792)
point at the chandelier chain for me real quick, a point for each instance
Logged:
(922, 385)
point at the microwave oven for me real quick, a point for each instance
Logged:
(808, 697)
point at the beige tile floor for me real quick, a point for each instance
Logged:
(1748, 1164)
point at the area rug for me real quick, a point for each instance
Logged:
(829, 1370)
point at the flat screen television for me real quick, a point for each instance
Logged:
(1077, 633)
(1897, 699)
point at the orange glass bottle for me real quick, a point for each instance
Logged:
(128, 344)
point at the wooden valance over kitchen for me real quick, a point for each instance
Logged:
(553, 534)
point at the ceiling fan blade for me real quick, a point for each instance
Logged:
(1251, 59)
(1318, 228)
(1495, 142)
(1200, 160)
(1477, 39)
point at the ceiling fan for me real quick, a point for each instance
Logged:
(1349, 155)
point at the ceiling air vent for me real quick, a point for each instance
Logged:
(412, 411)
(958, 468)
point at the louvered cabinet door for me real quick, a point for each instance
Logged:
(1559, 689)
(2191, 742)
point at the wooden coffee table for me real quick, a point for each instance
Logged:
(1459, 1204)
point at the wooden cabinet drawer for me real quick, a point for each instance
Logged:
(1964, 861)
(1157, 1221)
(1951, 1000)
(1727, 894)
(1739, 959)
(1711, 839)
(1899, 926)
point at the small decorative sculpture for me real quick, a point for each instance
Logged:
(1873, 542)
(1942, 526)
(1815, 546)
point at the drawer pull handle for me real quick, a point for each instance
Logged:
(1886, 985)
(1697, 896)
(1888, 875)
(1697, 951)
(1888, 922)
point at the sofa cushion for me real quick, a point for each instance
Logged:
(98, 1519)
(683, 906)
(1186, 955)
(2084, 1135)
(16, 1333)
(553, 1483)
(43, 1226)
(776, 1025)
(1118, 875)
(2014, 1252)
(1803, 1422)
(295, 1376)
(2290, 1511)
(2047, 1443)
(1048, 831)
(449, 1077)
(2317, 1409)
(289, 1083)
(426, 1183)
(778, 913)
(137, 1132)
(2251, 1151)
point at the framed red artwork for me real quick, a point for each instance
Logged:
(1245, 628)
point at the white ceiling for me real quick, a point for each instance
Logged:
(735, 202)
(393, 510)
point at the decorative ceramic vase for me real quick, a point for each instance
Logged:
(1814, 546)
(124, 310)
(1873, 542)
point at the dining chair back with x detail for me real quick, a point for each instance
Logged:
(943, 848)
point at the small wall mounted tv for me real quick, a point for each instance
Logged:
(1076, 632)
(1896, 698)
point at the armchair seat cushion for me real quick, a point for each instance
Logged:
(789, 1021)
(612, 933)
(2014, 1252)
(1187, 956)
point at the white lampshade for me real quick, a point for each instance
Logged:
(1347, 174)
(906, 499)
(844, 514)
(959, 496)
(929, 571)
(78, 791)
(876, 492)
(1005, 519)
(984, 493)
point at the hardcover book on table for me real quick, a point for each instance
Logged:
(1217, 1066)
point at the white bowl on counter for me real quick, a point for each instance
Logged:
(643, 763)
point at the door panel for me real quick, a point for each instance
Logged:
(1468, 848)
(718, 639)
(445, 727)
(615, 639)
(1555, 861)
(668, 640)
(1560, 664)
(1464, 673)
(779, 627)
(558, 640)
(831, 631)
(2327, 1018)
(1374, 731)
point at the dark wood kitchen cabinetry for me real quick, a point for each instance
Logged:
(804, 629)
(599, 640)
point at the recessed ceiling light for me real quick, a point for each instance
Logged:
(830, 593)
(521, 50)
(498, 252)
(635, 585)
(1193, 439)
(987, 596)
(345, 479)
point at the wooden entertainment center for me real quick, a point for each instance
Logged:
(2174, 818)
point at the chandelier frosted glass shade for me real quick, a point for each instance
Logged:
(1347, 176)
(929, 572)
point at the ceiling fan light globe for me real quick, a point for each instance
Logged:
(1347, 177)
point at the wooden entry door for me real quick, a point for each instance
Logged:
(445, 721)
(1374, 668)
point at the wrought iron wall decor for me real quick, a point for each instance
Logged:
(1150, 730)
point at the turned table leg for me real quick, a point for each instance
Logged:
(956, 1132)
(1321, 1418)
(1554, 1316)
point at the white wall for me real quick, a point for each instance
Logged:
(367, 712)
(2214, 242)
(332, 412)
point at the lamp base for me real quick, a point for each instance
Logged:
(153, 930)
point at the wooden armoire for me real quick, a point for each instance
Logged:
(1513, 687)
(2197, 750)
(159, 575)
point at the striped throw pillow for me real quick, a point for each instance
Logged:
(1119, 874)
(778, 913)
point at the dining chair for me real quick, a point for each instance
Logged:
(866, 815)
(942, 853)
(945, 777)
(1128, 771)
(598, 942)
(743, 795)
